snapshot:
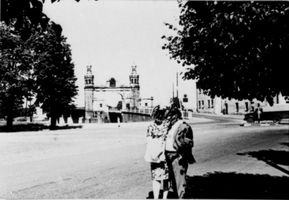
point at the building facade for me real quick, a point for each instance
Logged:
(186, 92)
(217, 105)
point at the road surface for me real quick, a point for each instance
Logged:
(106, 161)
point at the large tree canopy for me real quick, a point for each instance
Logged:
(16, 61)
(54, 75)
(234, 49)
(35, 60)
(40, 66)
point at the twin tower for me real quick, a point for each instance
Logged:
(95, 97)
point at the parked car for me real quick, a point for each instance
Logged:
(274, 116)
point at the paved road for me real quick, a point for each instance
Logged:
(106, 161)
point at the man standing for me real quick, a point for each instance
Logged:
(178, 150)
(259, 111)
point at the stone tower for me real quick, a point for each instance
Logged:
(134, 84)
(88, 93)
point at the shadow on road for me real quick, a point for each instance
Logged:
(285, 143)
(274, 158)
(220, 185)
(34, 127)
(237, 186)
(232, 185)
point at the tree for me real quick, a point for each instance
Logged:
(55, 80)
(26, 14)
(39, 66)
(16, 59)
(52, 78)
(234, 49)
(33, 9)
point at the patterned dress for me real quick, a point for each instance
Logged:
(159, 170)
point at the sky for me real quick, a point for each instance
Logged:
(114, 35)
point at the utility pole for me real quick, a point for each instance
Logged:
(0, 10)
(173, 89)
(177, 85)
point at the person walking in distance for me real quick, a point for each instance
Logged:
(155, 152)
(259, 111)
(178, 150)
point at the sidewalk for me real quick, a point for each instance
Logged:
(112, 125)
(227, 116)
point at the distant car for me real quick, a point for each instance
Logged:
(274, 116)
(250, 117)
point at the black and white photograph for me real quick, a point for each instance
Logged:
(144, 99)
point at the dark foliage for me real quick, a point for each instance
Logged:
(35, 59)
(26, 14)
(41, 65)
(234, 49)
(54, 76)
(15, 72)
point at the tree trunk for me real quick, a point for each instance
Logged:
(53, 122)
(9, 122)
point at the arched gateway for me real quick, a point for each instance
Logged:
(98, 99)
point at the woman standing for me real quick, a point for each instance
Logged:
(155, 152)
